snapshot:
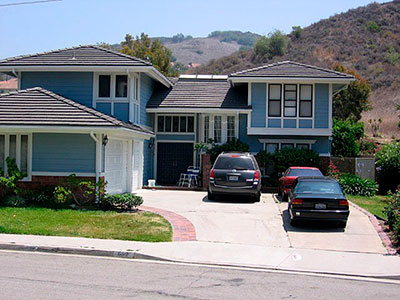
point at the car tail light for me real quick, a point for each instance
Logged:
(297, 202)
(256, 176)
(233, 155)
(343, 202)
(212, 174)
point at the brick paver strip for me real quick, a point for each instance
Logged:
(381, 232)
(182, 228)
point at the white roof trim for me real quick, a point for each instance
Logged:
(195, 110)
(290, 141)
(76, 129)
(291, 79)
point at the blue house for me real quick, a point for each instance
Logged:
(99, 113)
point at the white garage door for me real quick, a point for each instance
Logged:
(116, 166)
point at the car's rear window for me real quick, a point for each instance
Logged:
(318, 187)
(304, 172)
(234, 162)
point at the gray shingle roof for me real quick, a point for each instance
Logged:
(77, 56)
(200, 93)
(39, 107)
(291, 69)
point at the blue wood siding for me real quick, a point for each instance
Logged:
(322, 145)
(289, 123)
(148, 161)
(258, 102)
(63, 152)
(252, 141)
(77, 86)
(305, 123)
(104, 107)
(146, 90)
(274, 123)
(321, 119)
(175, 137)
(121, 111)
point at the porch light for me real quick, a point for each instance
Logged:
(105, 140)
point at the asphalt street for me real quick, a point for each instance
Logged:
(26, 275)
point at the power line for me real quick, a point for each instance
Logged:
(30, 2)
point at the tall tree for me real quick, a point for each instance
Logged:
(153, 51)
(353, 101)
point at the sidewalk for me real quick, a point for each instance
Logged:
(276, 258)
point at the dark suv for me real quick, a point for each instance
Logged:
(235, 173)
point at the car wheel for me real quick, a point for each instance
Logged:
(284, 197)
(342, 224)
(210, 195)
(279, 191)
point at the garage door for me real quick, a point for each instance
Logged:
(172, 160)
(116, 166)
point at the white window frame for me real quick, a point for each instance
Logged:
(172, 124)
(112, 99)
(224, 126)
(18, 153)
(134, 84)
(288, 141)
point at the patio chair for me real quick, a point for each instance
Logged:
(190, 177)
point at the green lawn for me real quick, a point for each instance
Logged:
(374, 205)
(141, 226)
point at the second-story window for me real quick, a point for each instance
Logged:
(290, 104)
(274, 100)
(305, 109)
(112, 87)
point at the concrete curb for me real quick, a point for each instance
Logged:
(136, 255)
(382, 234)
(80, 251)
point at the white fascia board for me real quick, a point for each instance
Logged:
(290, 141)
(289, 131)
(152, 71)
(179, 110)
(120, 131)
(291, 80)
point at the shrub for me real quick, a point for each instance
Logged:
(265, 159)
(234, 145)
(345, 138)
(8, 184)
(61, 194)
(15, 201)
(354, 185)
(369, 147)
(286, 158)
(120, 201)
(333, 171)
(392, 57)
(392, 212)
(388, 163)
(273, 45)
(373, 27)
(297, 31)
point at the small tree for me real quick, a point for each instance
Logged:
(346, 135)
(351, 102)
(273, 45)
(297, 31)
(153, 51)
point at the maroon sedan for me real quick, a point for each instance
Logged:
(291, 174)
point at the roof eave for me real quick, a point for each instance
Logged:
(196, 109)
(238, 79)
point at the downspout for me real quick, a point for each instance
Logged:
(98, 160)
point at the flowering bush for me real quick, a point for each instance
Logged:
(388, 163)
(333, 171)
(392, 212)
(369, 147)
(354, 185)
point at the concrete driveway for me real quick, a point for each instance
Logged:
(266, 223)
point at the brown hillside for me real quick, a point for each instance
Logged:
(351, 39)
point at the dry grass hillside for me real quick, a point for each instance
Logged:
(366, 39)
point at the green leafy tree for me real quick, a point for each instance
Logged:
(153, 51)
(272, 45)
(297, 31)
(353, 101)
(345, 137)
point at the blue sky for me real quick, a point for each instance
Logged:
(35, 28)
